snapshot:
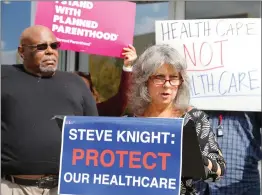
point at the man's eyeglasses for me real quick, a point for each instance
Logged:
(44, 46)
(162, 80)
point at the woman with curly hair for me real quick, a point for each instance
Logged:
(160, 88)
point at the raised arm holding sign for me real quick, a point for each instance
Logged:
(141, 154)
(161, 89)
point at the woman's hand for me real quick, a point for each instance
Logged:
(209, 165)
(129, 55)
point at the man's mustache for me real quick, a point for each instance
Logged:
(49, 59)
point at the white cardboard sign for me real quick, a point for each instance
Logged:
(223, 60)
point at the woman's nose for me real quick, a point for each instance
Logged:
(167, 84)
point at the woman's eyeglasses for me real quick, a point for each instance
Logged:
(157, 80)
(44, 46)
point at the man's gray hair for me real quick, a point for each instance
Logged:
(145, 66)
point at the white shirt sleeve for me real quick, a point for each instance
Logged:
(128, 69)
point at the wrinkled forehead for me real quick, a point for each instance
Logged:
(166, 69)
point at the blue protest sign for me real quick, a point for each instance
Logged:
(120, 155)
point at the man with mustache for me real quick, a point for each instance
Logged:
(32, 94)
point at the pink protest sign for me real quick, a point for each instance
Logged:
(102, 28)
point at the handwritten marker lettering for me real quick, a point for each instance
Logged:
(226, 83)
(223, 60)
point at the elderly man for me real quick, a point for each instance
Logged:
(32, 94)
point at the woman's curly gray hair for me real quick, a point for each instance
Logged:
(145, 66)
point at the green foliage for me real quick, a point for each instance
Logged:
(106, 74)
